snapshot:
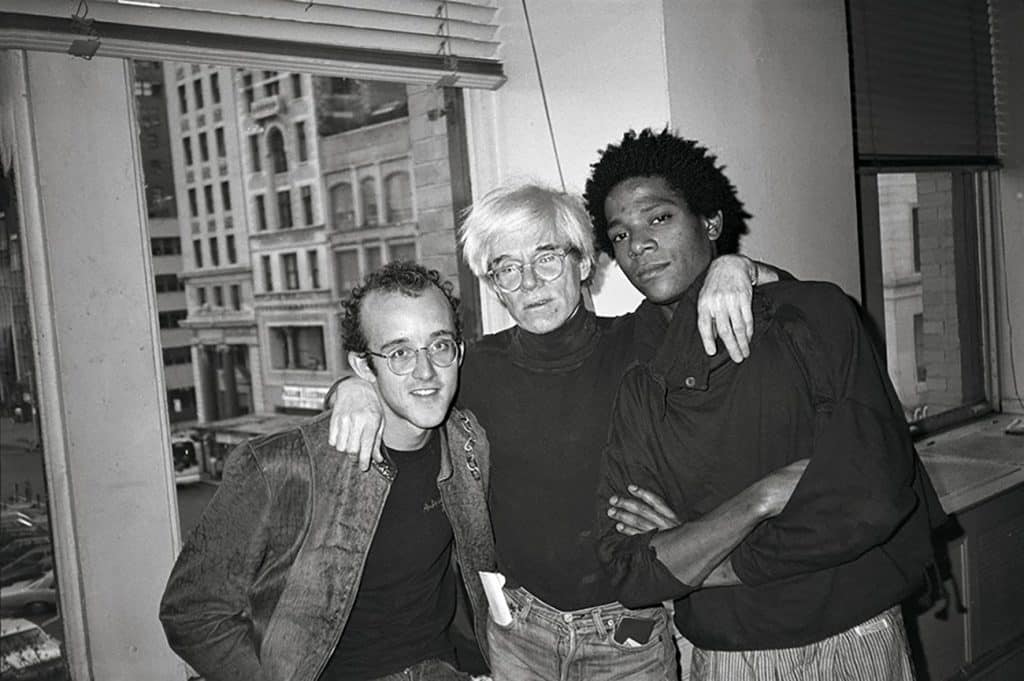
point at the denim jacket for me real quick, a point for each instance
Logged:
(264, 585)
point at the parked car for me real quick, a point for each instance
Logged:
(15, 548)
(186, 462)
(28, 652)
(18, 524)
(22, 412)
(31, 596)
(32, 564)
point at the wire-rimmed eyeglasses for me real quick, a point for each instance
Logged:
(402, 360)
(546, 266)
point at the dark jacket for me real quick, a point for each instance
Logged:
(853, 539)
(264, 585)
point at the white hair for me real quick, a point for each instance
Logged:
(529, 209)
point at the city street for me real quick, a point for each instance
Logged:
(21, 472)
(21, 476)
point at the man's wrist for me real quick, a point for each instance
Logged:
(329, 396)
(754, 270)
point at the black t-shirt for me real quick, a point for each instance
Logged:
(546, 402)
(406, 598)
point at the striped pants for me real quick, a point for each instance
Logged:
(873, 651)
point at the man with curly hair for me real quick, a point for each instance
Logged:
(813, 592)
(303, 566)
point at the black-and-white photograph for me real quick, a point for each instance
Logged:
(511, 340)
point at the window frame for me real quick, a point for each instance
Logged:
(974, 188)
(333, 63)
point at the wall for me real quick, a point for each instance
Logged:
(1009, 284)
(611, 75)
(765, 85)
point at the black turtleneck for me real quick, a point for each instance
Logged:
(546, 401)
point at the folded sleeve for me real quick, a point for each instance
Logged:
(632, 565)
(205, 608)
(858, 486)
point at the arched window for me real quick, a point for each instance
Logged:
(368, 195)
(342, 207)
(275, 142)
(398, 197)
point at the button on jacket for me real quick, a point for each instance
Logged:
(265, 583)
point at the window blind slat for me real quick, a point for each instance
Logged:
(922, 79)
(413, 38)
(419, 18)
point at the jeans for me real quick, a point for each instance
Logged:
(875, 650)
(428, 670)
(543, 643)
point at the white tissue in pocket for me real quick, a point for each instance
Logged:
(493, 581)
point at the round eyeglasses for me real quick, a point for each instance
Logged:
(546, 266)
(402, 359)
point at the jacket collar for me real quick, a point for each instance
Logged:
(457, 439)
(680, 361)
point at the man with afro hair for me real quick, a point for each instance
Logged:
(813, 592)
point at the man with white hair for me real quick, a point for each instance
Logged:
(544, 390)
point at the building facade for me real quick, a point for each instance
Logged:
(213, 226)
(165, 241)
(341, 176)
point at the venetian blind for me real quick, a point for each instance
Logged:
(409, 40)
(923, 81)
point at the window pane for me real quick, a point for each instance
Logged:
(373, 256)
(346, 267)
(329, 159)
(284, 209)
(275, 142)
(402, 250)
(34, 633)
(346, 104)
(368, 196)
(398, 196)
(290, 266)
(342, 207)
(297, 348)
(930, 272)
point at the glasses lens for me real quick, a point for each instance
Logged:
(442, 352)
(508, 277)
(549, 265)
(402, 360)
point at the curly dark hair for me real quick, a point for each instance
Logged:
(687, 167)
(403, 276)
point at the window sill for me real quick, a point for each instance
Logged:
(974, 463)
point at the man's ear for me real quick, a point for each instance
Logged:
(361, 365)
(462, 352)
(713, 226)
(498, 293)
(586, 265)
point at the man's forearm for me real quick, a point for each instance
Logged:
(693, 550)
